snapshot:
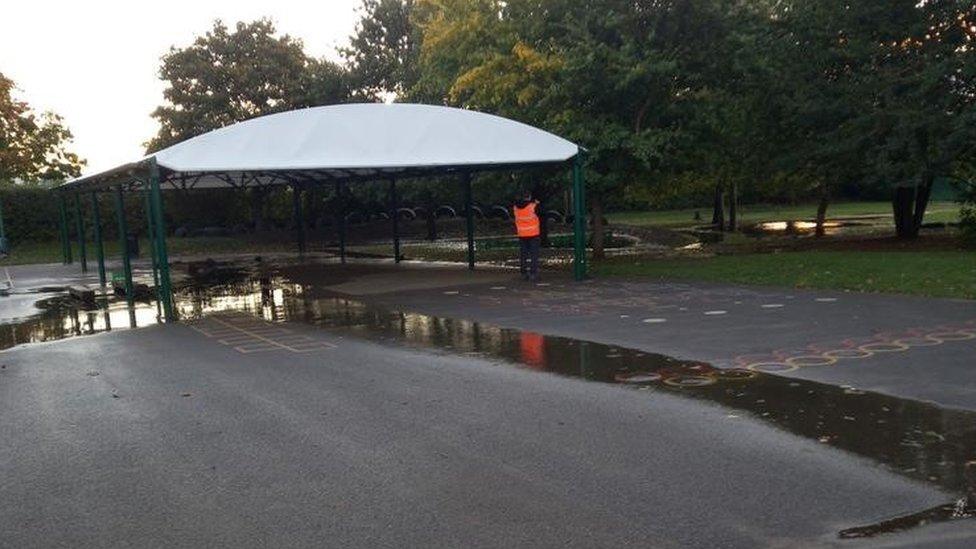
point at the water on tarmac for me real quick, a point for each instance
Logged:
(915, 439)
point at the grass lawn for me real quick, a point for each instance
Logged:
(935, 274)
(938, 212)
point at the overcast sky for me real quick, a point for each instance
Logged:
(95, 61)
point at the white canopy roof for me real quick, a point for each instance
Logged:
(347, 142)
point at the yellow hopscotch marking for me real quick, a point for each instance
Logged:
(241, 333)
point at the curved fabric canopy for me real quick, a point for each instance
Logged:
(347, 142)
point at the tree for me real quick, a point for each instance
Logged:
(613, 75)
(33, 148)
(383, 53)
(923, 79)
(229, 76)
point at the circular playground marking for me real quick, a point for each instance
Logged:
(848, 353)
(715, 313)
(689, 381)
(736, 374)
(807, 361)
(892, 347)
(920, 341)
(772, 367)
(773, 306)
(958, 335)
(654, 320)
(637, 377)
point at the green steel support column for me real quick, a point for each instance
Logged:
(469, 217)
(65, 236)
(299, 219)
(341, 221)
(99, 245)
(579, 219)
(80, 224)
(394, 212)
(151, 234)
(160, 233)
(124, 245)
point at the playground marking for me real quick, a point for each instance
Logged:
(654, 320)
(248, 335)
(826, 299)
(773, 306)
(715, 313)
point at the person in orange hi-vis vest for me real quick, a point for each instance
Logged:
(529, 228)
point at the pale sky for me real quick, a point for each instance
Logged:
(95, 62)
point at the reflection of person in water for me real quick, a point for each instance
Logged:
(533, 350)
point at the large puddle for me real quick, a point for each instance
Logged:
(915, 439)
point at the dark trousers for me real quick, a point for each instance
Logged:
(529, 256)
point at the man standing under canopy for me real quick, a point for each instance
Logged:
(529, 229)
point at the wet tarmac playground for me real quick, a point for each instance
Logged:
(249, 308)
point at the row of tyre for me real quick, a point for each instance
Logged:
(448, 212)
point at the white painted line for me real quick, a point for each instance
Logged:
(773, 306)
(624, 316)
(498, 288)
(654, 320)
(715, 313)
(452, 292)
(826, 299)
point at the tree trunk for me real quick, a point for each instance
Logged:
(901, 205)
(598, 228)
(718, 206)
(734, 207)
(822, 210)
(924, 192)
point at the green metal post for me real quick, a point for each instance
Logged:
(469, 217)
(124, 245)
(299, 219)
(65, 237)
(579, 219)
(151, 234)
(394, 212)
(80, 224)
(341, 221)
(166, 289)
(99, 245)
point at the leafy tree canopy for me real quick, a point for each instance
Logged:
(231, 75)
(33, 147)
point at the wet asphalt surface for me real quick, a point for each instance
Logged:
(738, 326)
(163, 436)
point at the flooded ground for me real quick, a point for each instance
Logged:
(914, 439)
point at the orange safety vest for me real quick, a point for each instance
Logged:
(526, 221)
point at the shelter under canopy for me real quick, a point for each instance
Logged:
(328, 145)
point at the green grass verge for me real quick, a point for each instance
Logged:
(938, 212)
(935, 274)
